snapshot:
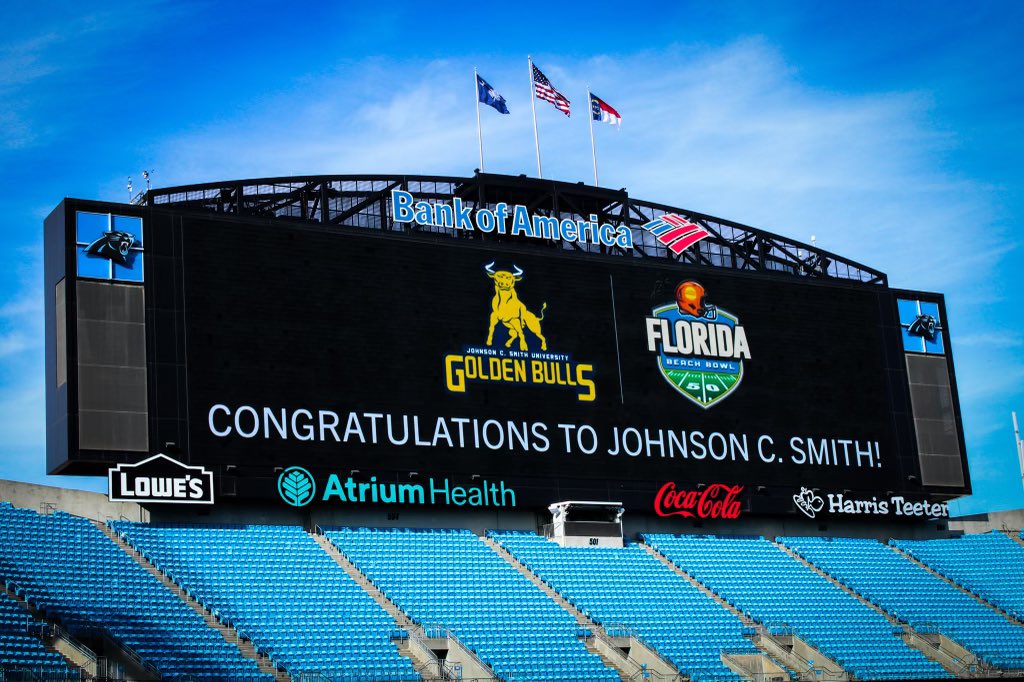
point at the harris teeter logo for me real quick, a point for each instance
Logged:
(701, 348)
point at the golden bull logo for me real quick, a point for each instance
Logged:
(507, 309)
(524, 357)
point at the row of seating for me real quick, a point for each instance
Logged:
(279, 589)
(451, 580)
(774, 589)
(71, 572)
(991, 565)
(21, 649)
(282, 591)
(630, 592)
(915, 596)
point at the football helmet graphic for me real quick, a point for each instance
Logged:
(691, 301)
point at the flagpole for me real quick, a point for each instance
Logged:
(533, 106)
(479, 134)
(593, 147)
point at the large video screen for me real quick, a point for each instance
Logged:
(399, 359)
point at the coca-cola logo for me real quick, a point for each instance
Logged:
(717, 501)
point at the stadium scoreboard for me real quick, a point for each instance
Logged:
(427, 362)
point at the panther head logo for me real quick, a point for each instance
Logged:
(924, 326)
(113, 246)
(809, 503)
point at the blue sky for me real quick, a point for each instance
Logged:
(890, 131)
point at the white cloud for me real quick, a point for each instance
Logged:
(731, 132)
(16, 342)
(1000, 340)
(22, 414)
(25, 305)
(60, 43)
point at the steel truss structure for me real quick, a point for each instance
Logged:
(362, 201)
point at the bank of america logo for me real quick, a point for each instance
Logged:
(676, 232)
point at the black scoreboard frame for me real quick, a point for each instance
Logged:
(355, 208)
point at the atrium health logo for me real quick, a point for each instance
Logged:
(296, 486)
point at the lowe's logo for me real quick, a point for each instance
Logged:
(160, 479)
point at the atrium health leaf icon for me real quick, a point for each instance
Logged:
(297, 487)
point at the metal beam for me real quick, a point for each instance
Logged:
(309, 198)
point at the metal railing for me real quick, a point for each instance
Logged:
(26, 673)
(967, 666)
(364, 201)
(59, 632)
(129, 653)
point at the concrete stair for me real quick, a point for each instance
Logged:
(608, 661)
(78, 656)
(1015, 536)
(418, 647)
(939, 649)
(228, 632)
(758, 667)
(624, 655)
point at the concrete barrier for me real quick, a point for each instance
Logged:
(46, 499)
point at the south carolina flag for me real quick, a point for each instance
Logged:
(604, 112)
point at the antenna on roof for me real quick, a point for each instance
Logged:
(146, 174)
(129, 189)
(1020, 446)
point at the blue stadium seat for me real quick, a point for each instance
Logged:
(781, 593)
(68, 569)
(629, 588)
(279, 589)
(451, 579)
(915, 596)
(991, 565)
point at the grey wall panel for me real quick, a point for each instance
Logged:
(60, 311)
(112, 375)
(938, 443)
(111, 301)
(112, 389)
(102, 430)
(931, 401)
(114, 344)
(942, 470)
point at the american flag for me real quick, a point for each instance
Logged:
(544, 90)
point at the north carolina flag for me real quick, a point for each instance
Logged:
(604, 112)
